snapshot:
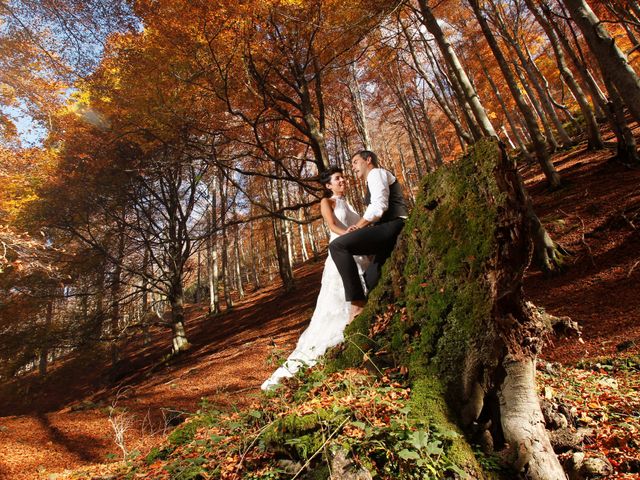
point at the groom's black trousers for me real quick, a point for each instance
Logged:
(378, 240)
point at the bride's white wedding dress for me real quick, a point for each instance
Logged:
(332, 310)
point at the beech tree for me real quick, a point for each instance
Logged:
(614, 64)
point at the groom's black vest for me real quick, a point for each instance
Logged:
(397, 204)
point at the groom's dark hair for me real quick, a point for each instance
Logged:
(325, 177)
(368, 155)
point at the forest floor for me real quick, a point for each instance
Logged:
(67, 420)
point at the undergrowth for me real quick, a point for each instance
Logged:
(296, 431)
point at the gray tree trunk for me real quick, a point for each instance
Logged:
(507, 114)
(238, 263)
(463, 136)
(591, 125)
(458, 71)
(613, 62)
(553, 178)
(213, 273)
(358, 107)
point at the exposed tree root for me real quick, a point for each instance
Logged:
(523, 423)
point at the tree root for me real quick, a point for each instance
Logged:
(523, 423)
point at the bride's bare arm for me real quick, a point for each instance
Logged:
(326, 208)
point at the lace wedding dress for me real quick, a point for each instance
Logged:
(332, 310)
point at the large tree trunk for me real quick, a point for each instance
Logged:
(598, 98)
(457, 318)
(613, 62)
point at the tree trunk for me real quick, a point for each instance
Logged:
(145, 299)
(507, 114)
(463, 136)
(538, 141)
(213, 273)
(226, 285)
(44, 350)
(284, 267)
(464, 332)
(255, 257)
(358, 107)
(613, 62)
(433, 139)
(626, 143)
(591, 125)
(458, 71)
(535, 104)
(238, 263)
(534, 78)
(301, 233)
(598, 99)
(176, 299)
(282, 250)
(115, 301)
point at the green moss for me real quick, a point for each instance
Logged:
(438, 273)
(184, 433)
(301, 435)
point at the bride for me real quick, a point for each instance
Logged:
(332, 311)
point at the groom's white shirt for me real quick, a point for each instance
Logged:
(379, 180)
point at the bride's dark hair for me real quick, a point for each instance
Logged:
(325, 177)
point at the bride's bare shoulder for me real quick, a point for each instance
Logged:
(328, 202)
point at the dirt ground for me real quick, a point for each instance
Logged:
(69, 420)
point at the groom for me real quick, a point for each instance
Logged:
(374, 234)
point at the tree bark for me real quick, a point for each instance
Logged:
(477, 343)
(626, 149)
(613, 62)
(358, 107)
(213, 273)
(591, 125)
(115, 300)
(553, 178)
(507, 114)
(458, 71)
(238, 263)
(598, 99)
(176, 298)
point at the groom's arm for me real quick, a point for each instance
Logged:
(378, 181)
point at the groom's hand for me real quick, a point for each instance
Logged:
(352, 228)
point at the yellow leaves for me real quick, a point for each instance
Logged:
(295, 3)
